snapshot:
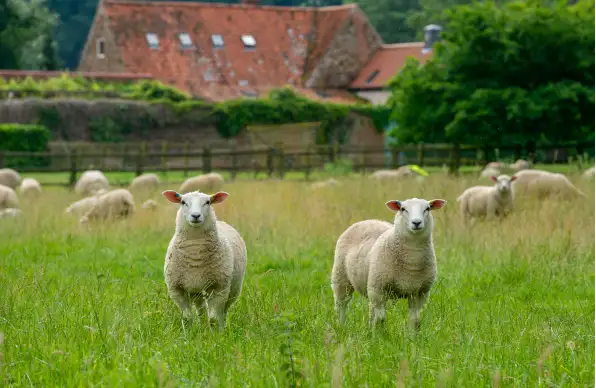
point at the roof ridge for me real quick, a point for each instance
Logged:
(404, 44)
(159, 3)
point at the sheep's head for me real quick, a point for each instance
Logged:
(413, 215)
(503, 183)
(195, 207)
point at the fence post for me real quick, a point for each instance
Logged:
(362, 161)
(308, 163)
(73, 168)
(234, 163)
(206, 160)
(454, 159)
(186, 158)
(282, 160)
(140, 157)
(579, 149)
(164, 158)
(421, 154)
(1, 159)
(270, 156)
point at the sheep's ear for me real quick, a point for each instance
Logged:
(437, 203)
(219, 197)
(494, 178)
(172, 196)
(513, 178)
(393, 205)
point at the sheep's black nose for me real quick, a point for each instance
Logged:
(196, 216)
(416, 223)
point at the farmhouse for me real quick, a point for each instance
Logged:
(226, 51)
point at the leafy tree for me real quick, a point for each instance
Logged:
(520, 73)
(390, 18)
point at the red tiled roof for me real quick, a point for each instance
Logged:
(281, 35)
(39, 74)
(387, 61)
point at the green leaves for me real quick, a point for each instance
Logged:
(24, 137)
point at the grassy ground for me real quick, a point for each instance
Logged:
(513, 306)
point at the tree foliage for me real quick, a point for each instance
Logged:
(519, 73)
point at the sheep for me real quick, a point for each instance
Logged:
(206, 258)
(149, 205)
(10, 213)
(208, 182)
(489, 172)
(488, 201)
(144, 182)
(8, 198)
(91, 182)
(114, 204)
(542, 184)
(519, 165)
(402, 172)
(9, 178)
(381, 260)
(588, 174)
(30, 188)
(83, 205)
(323, 184)
(495, 165)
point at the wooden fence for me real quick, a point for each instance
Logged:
(276, 161)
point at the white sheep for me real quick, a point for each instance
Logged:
(323, 184)
(8, 198)
(114, 204)
(91, 182)
(145, 183)
(487, 201)
(495, 165)
(401, 172)
(149, 205)
(10, 213)
(381, 260)
(489, 172)
(589, 173)
(544, 184)
(9, 178)
(519, 165)
(206, 258)
(207, 183)
(30, 188)
(83, 205)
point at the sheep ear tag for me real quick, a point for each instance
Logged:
(393, 205)
(219, 197)
(172, 196)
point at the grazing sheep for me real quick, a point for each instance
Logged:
(323, 184)
(8, 198)
(208, 182)
(91, 182)
(519, 165)
(118, 203)
(10, 213)
(495, 165)
(381, 260)
(82, 206)
(543, 184)
(30, 188)
(402, 172)
(145, 183)
(490, 172)
(588, 174)
(9, 178)
(206, 258)
(149, 205)
(488, 201)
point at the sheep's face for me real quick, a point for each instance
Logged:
(503, 183)
(195, 207)
(413, 215)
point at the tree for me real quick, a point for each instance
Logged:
(520, 73)
(390, 18)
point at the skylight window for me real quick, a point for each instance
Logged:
(152, 40)
(249, 41)
(217, 40)
(372, 76)
(185, 40)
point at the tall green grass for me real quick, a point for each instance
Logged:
(513, 305)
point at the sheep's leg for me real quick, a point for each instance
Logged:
(216, 308)
(182, 299)
(200, 304)
(415, 304)
(342, 294)
(376, 303)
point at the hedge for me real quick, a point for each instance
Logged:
(24, 137)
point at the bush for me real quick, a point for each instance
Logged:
(21, 137)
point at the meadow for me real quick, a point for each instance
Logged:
(513, 305)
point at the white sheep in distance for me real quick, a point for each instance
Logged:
(83, 205)
(8, 198)
(206, 183)
(519, 165)
(149, 205)
(324, 184)
(206, 258)
(543, 184)
(589, 173)
(9, 178)
(489, 172)
(30, 188)
(91, 182)
(144, 183)
(115, 204)
(381, 260)
(487, 201)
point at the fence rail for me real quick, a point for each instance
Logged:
(278, 161)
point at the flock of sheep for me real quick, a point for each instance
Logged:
(206, 258)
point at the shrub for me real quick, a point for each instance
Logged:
(21, 137)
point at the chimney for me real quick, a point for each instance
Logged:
(251, 2)
(431, 36)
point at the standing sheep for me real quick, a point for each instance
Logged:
(91, 182)
(30, 188)
(9, 178)
(543, 184)
(381, 260)
(118, 203)
(519, 165)
(8, 198)
(208, 182)
(144, 182)
(489, 172)
(589, 173)
(206, 258)
(488, 201)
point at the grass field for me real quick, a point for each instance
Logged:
(513, 305)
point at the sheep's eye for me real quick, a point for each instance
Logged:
(208, 203)
(403, 209)
(428, 208)
(183, 202)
